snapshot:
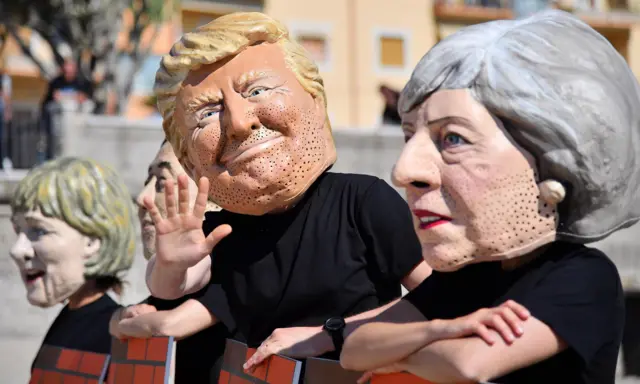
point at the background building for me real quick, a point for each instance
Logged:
(358, 44)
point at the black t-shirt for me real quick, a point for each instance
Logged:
(85, 328)
(342, 250)
(199, 356)
(61, 83)
(573, 289)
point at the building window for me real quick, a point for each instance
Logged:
(316, 39)
(316, 46)
(391, 50)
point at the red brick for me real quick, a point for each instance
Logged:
(157, 349)
(281, 370)
(124, 374)
(92, 363)
(143, 374)
(69, 360)
(158, 375)
(136, 349)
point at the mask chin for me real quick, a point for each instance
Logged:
(520, 233)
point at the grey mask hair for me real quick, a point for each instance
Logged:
(566, 95)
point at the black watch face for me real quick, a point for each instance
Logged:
(334, 323)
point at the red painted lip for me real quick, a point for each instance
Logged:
(420, 213)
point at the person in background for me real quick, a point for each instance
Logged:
(69, 86)
(200, 345)
(390, 114)
(75, 227)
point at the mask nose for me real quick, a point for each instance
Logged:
(416, 167)
(147, 190)
(239, 118)
(22, 250)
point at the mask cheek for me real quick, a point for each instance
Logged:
(60, 284)
(515, 221)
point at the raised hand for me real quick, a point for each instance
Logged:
(180, 241)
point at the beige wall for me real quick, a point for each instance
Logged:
(352, 76)
(328, 18)
(633, 52)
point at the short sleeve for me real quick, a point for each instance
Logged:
(214, 298)
(386, 226)
(424, 296)
(162, 304)
(581, 300)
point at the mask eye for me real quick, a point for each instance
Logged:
(160, 182)
(257, 92)
(452, 140)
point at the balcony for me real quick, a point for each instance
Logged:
(222, 6)
(472, 11)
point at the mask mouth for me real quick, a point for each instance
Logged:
(430, 219)
(31, 275)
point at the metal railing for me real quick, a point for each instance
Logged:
(23, 143)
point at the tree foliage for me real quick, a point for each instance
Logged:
(86, 31)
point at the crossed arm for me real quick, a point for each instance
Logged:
(417, 347)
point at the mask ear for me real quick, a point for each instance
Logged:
(552, 192)
(91, 247)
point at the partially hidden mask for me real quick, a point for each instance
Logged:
(163, 167)
(74, 222)
(249, 121)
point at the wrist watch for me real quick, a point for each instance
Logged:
(334, 326)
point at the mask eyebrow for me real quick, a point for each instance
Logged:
(207, 97)
(450, 120)
(250, 77)
(161, 165)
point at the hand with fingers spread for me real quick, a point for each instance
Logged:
(506, 319)
(180, 241)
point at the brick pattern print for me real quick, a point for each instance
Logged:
(322, 371)
(140, 361)
(275, 370)
(55, 365)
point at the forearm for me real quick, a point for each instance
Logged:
(397, 311)
(168, 282)
(114, 330)
(142, 326)
(444, 361)
(183, 321)
(379, 344)
(356, 321)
